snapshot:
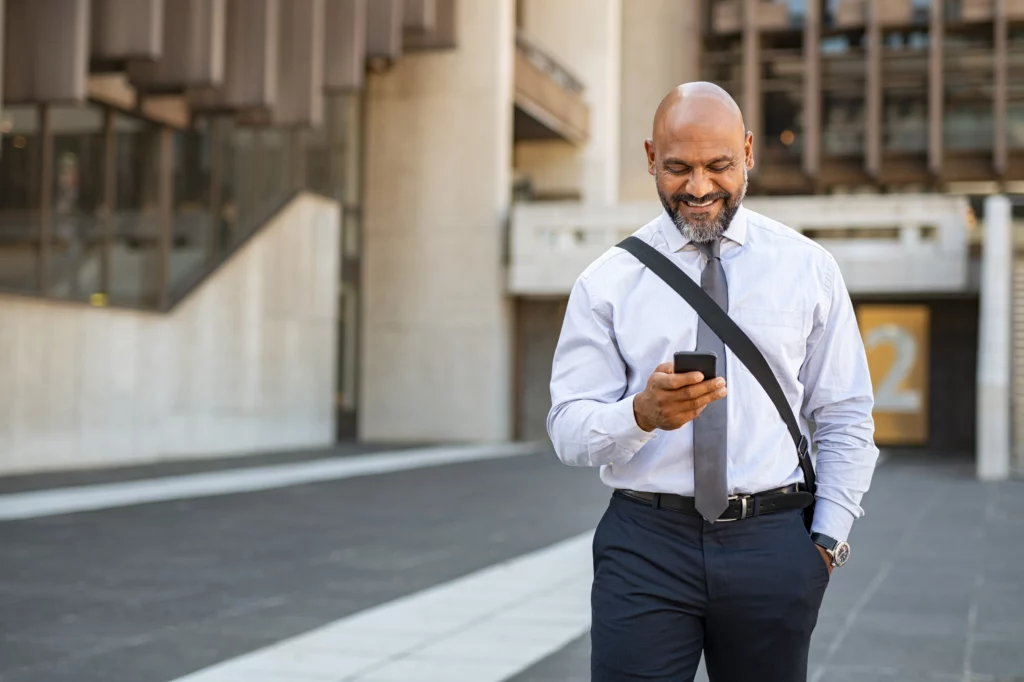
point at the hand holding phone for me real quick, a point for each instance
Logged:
(674, 398)
(691, 361)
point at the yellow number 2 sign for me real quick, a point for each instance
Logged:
(896, 341)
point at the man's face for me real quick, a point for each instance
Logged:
(700, 166)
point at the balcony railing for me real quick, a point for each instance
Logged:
(884, 244)
(548, 96)
(545, 63)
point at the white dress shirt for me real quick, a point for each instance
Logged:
(787, 294)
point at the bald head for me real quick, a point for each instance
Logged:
(699, 103)
(699, 154)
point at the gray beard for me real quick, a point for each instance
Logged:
(704, 231)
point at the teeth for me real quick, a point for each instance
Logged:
(695, 205)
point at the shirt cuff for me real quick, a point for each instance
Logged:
(833, 520)
(623, 430)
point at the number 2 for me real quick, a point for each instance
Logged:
(889, 397)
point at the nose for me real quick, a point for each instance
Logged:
(699, 184)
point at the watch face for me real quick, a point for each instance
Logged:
(841, 553)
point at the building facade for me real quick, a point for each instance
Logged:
(900, 94)
(238, 225)
(881, 129)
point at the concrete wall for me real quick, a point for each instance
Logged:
(437, 325)
(246, 363)
(538, 324)
(585, 37)
(660, 49)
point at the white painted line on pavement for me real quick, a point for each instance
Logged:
(109, 495)
(485, 627)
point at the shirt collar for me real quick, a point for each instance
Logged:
(737, 230)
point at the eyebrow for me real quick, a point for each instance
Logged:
(716, 160)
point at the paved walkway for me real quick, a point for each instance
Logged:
(348, 579)
(934, 591)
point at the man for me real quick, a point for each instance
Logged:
(680, 566)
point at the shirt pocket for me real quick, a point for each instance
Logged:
(779, 334)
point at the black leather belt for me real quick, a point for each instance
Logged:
(740, 506)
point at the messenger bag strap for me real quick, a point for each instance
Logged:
(732, 336)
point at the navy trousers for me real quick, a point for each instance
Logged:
(668, 586)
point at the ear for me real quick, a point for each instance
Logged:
(748, 151)
(649, 148)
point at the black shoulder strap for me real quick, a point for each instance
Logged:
(732, 336)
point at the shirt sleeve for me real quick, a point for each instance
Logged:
(839, 400)
(591, 422)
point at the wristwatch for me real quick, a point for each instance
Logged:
(838, 550)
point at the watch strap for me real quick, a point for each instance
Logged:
(824, 541)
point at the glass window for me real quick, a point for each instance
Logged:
(1015, 90)
(135, 258)
(320, 143)
(905, 94)
(275, 147)
(968, 79)
(968, 127)
(843, 130)
(921, 11)
(238, 170)
(783, 121)
(1015, 126)
(192, 231)
(905, 122)
(19, 197)
(79, 201)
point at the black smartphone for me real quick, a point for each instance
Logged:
(691, 361)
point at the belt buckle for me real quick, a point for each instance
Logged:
(743, 507)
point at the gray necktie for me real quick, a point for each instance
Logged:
(709, 429)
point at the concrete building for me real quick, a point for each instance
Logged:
(238, 225)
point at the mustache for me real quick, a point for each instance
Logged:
(683, 196)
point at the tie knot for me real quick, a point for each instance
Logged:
(711, 249)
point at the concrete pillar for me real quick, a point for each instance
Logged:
(936, 87)
(384, 31)
(251, 55)
(127, 29)
(753, 96)
(993, 408)
(419, 15)
(662, 40)
(2, 31)
(584, 36)
(436, 350)
(193, 48)
(812, 89)
(300, 72)
(1001, 67)
(873, 96)
(345, 57)
(34, 70)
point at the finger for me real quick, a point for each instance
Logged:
(658, 376)
(696, 390)
(685, 417)
(673, 382)
(676, 403)
(710, 397)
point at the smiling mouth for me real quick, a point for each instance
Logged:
(702, 204)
